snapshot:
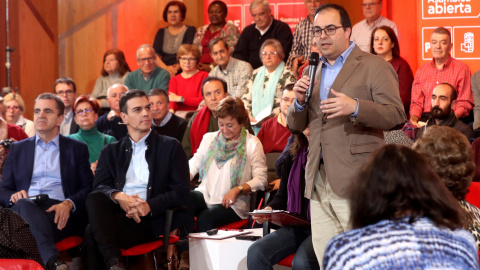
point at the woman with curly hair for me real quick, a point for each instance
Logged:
(451, 156)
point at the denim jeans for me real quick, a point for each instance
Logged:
(274, 247)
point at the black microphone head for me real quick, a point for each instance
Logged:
(41, 198)
(314, 59)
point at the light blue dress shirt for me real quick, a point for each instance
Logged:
(138, 173)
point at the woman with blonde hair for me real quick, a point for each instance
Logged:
(15, 109)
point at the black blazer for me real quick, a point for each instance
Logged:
(168, 184)
(74, 170)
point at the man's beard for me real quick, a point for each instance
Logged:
(438, 113)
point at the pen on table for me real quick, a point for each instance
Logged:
(259, 206)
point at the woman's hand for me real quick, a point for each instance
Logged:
(174, 97)
(230, 198)
(260, 220)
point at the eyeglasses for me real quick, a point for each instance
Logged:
(15, 108)
(148, 59)
(66, 92)
(185, 59)
(371, 4)
(84, 111)
(264, 54)
(329, 30)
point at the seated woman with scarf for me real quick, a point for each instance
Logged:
(274, 247)
(231, 164)
(265, 87)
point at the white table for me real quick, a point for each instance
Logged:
(226, 254)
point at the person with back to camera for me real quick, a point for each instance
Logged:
(170, 38)
(114, 70)
(403, 217)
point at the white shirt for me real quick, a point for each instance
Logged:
(217, 182)
(66, 123)
(138, 173)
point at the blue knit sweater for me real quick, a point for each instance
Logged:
(396, 244)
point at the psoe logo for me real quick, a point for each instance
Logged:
(468, 42)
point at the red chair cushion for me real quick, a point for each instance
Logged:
(287, 261)
(19, 264)
(236, 225)
(473, 195)
(147, 247)
(68, 243)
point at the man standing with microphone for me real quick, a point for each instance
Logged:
(354, 99)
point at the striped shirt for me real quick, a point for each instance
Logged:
(454, 72)
(362, 32)
(302, 41)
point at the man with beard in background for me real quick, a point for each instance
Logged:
(443, 105)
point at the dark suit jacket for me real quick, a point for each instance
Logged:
(74, 127)
(168, 184)
(347, 144)
(74, 169)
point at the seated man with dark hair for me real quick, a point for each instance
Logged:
(165, 122)
(50, 164)
(137, 179)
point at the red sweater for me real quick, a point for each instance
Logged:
(190, 89)
(273, 136)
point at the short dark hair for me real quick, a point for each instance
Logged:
(289, 87)
(396, 182)
(213, 78)
(393, 37)
(450, 155)
(158, 92)
(65, 80)
(181, 6)
(221, 4)
(344, 18)
(134, 93)
(443, 31)
(453, 92)
(58, 100)
(234, 108)
(123, 66)
(85, 98)
(214, 42)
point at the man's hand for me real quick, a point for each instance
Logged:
(260, 220)
(93, 167)
(138, 209)
(275, 184)
(18, 195)
(300, 88)
(230, 197)
(62, 213)
(340, 105)
(414, 121)
(123, 200)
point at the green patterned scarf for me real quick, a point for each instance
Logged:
(222, 150)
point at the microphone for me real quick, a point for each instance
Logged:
(312, 70)
(36, 199)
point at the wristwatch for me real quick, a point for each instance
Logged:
(241, 188)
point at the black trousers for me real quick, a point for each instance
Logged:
(110, 230)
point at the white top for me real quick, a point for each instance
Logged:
(27, 125)
(217, 182)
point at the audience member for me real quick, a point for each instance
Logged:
(384, 43)
(451, 156)
(274, 247)
(213, 91)
(235, 72)
(362, 31)
(86, 113)
(115, 70)
(218, 27)
(442, 69)
(444, 100)
(163, 121)
(148, 76)
(112, 123)
(169, 39)
(231, 165)
(265, 87)
(66, 89)
(264, 27)
(274, 133)
(14, 116)
(66, 178)
(403, 217)
(137, 179)
(185, 94)
(476, 98)
(347, 115)
(302, 37)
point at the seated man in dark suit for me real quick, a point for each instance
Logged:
(165, 122)
(51, 164)
(137, 179)
(111, 123)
